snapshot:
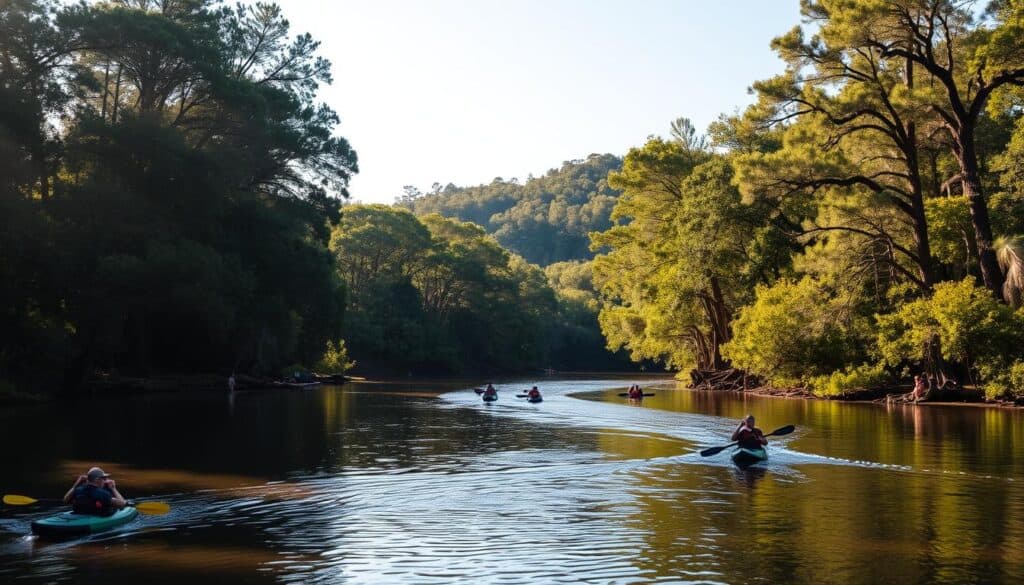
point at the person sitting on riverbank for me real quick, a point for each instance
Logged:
(533, 394)
(635, 392)
(95, 494)
(749, 436)
(920, 388)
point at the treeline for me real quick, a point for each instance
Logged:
(859, 223)
(436, 295)
(169, 195)
(545, 220)
(164, 180)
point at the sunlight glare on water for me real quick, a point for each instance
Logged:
(413, 483)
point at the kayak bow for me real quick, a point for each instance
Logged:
(68, 524)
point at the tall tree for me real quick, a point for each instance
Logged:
(965, 62)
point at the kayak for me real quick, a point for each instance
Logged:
(490, 397)
(744, 457)
(535, 400)
(71, 524)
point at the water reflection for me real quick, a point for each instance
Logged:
(412, 483)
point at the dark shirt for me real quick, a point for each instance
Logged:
(750, 439)
(89, 499)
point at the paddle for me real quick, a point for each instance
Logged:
(627, 393)
(776, 433)
(478, 390)
(155, 508)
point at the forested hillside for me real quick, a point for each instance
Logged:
(545, 220)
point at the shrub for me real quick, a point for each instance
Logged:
(792, 332)
(971, 327)
(335, 359)
(851, 379)
(1007, 384)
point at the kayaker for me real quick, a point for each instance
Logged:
(533, 394)
(749, 436)
(95, 494)
(490, 391)
(635, 392)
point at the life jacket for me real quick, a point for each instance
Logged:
(636, 393)
(750, 439)
(92, 500)
(533, 393)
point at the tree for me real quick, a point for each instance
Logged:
(965, 61)
(687, 257)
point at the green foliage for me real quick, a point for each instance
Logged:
(849, 380)
(969, 325)
(177, 215)
(436, 294)
(335, 359)
(1006, 383)
(546, 220)
(686, 253)
(949, 226)
(793, 331)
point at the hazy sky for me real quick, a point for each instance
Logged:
(464, 91)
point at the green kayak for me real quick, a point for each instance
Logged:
(71, 524)
(744, 457)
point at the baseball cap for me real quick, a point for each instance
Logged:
(96, 473)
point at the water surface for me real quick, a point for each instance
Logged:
(424, 483)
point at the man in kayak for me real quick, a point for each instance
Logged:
(94, 493)
(635, 393)
(490, 391)
(749, 436)
(533, 394)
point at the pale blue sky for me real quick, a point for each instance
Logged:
(463, 91)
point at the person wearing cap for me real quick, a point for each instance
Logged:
(94, 493)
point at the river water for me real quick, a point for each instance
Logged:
(424, 483)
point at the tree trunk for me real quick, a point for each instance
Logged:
(971, 177)
(921, 246)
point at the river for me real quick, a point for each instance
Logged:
(421, 482)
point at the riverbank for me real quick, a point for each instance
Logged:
(965, 397)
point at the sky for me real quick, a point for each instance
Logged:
(464, 91)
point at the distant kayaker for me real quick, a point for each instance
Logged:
(635, 392)
(490, 391)
(749, 436)
(94, 493)
(533, 394)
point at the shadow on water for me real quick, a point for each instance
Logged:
(422, 482)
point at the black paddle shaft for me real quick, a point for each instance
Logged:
(777, 432)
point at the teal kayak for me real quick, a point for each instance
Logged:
(744, 457)
(490, 397)
(71, 524)
(535, 400)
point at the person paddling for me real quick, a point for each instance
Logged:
(490, 392)
(635, 393)
(95, 494)
(533, 394)
(749, 436)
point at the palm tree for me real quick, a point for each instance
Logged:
(1010, 253)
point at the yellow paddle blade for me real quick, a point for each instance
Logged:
(155, 508)
(14, 500)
